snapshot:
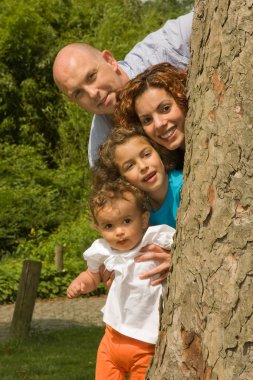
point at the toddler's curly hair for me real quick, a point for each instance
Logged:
(110, 191)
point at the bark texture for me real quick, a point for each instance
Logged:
(207, 323)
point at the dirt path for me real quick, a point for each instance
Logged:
(57, 313)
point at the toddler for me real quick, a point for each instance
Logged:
(131, 315)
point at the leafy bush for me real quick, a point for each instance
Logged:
(75, 237)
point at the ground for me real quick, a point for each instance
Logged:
(57, 313)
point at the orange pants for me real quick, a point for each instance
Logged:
(119, 355)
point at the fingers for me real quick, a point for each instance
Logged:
(160, 270)
(162, 256)
(159, 280)
(75, 290)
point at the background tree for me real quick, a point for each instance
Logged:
(207, 324)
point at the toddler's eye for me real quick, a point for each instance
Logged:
(108, 226)
(127, 221)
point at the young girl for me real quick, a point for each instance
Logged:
(134, 157)
(155, 101)
(131, 312)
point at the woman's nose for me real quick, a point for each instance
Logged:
(158, 121)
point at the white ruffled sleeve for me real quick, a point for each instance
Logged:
(161, 235)
(96, 254)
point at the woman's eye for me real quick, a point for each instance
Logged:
(146, 121)
(166, 108)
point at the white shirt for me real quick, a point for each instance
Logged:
(171, 43)
(132, 305)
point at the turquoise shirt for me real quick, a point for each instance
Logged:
(167, 213)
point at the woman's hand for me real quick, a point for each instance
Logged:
(154, 252)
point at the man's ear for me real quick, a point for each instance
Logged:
(109, 58)
(145, 220)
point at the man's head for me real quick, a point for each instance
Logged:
(89, 77)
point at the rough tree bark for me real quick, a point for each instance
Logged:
(207, 324)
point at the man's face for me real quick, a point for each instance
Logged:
(90, 80)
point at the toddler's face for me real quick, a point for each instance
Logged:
(161, 118)
(121, 223)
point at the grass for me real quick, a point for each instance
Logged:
(68, 354)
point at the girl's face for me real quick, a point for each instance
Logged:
(161, 118)
(140, 164)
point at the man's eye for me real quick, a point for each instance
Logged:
(92, 76)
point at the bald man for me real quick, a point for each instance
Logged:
(91, 78)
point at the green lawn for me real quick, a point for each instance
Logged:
(68, 354)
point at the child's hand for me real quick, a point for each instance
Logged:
(154, 252)
(75, 288)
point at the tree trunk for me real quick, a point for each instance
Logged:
(207, 324)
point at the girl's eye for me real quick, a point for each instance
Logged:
(108, 226)
(127, 221)
(128, 166)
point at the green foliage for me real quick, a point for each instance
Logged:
(68, 354)
(74, 236)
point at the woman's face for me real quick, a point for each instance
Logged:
(161, 118)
